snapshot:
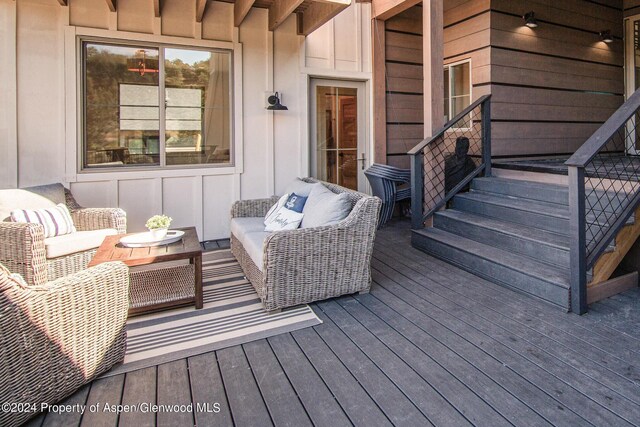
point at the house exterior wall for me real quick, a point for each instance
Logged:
(551, 86)
(554, 85)
(39, 109)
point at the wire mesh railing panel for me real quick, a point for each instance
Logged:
(451, 159)
(612, 185)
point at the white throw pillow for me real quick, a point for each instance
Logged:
(280, 203)
(284, 219)
(56, 220)
(324, 207)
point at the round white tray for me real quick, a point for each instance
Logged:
(142, 240)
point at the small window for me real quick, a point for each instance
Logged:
(457, 89)
(126, 122)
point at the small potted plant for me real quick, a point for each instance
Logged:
(158, 226)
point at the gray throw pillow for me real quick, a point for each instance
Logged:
(301, 188)
(324, 207)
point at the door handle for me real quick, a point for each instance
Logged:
(363, 159)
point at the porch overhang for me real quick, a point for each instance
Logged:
(310, 14)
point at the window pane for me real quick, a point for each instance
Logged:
(198, 107)
(460, 104)
(460, 79)
(121, 105)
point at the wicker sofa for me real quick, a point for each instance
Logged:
(58, 336)
(309, 264)
(23, 248)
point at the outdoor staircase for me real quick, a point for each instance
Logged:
(511, 232)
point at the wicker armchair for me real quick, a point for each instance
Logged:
(22, 246)
(58, 336)
(311, 264)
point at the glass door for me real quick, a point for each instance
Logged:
(632, 76)
(338, 153)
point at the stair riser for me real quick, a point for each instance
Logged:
(494, 272)
(495, 238)
(516, 189)
(551, 195)
(531, 219)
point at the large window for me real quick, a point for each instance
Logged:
(457, 89)
(128, 123)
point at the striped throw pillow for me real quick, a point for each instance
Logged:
(56, 220)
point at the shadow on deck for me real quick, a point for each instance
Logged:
(430, 345)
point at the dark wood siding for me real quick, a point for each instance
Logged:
(554, 85)
(466, 36)
(631, 7)
(404, 85)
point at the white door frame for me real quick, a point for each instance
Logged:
(364, 154)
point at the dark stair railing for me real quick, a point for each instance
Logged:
(604, 191)
(430, 190)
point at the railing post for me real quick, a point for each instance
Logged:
(417, 190)
(485, 109)
(578, 248)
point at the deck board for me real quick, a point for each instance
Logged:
(52, 419)
(528, 357)
(602, 348)
(320, 404)
(139, 389)
(431, 344)
(354, 399)
(279, 395)
(390, 399)
(103, 392)
(597, 364)
(174, 390)
(246, 403)
(207, 389)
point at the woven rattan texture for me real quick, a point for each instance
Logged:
(58, 336)
(22, 247)
(311, 264)
(161, 285)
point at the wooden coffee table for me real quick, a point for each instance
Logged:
(160, 276)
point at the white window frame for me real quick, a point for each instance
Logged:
(448, 67)
(73, 81)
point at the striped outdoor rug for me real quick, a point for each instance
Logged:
(232, 314)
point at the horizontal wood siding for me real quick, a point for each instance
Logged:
(466, 37)
(631, 7)
(553, 85)
(404, 85)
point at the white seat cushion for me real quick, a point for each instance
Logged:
(242, 226)
(76, 242)
(254, 243)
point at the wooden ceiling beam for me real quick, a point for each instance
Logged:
(157, 8)
(385, 9)
(201, 7)
(240, 10)
(112, 5)
(280, 10)
(318, 13)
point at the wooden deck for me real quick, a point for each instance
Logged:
(430, 345)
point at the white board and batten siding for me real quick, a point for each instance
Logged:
(39, 116)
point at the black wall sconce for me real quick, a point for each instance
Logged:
(530, 20)
(274, 103)
(605, 36)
